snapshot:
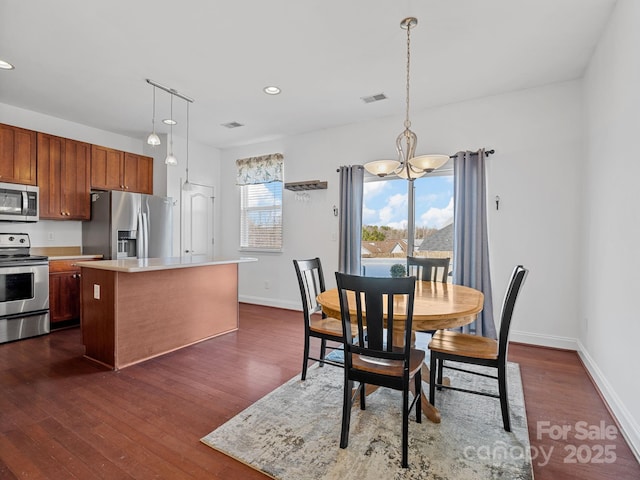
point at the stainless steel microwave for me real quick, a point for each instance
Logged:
(19, 203)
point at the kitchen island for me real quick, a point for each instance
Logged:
(134, 310)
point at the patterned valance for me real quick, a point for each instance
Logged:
(263, 169)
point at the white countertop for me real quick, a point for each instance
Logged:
(73, 257)
(151, 264)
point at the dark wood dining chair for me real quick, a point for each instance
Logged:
(316, 323)
(383, 356)
(427, 269)
(477, 350)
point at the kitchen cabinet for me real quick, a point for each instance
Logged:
(17, 155)
(138, 173)
(63, 178)
(116, 170)
(64, 292)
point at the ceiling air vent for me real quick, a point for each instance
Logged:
(233, 125)
(374, 98)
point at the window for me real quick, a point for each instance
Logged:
(260, 181)
(261, 216)
(385, 221)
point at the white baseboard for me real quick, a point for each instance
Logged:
(270, 302)
(629, 426)
(553, 341)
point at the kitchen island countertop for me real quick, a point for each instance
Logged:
(170, 263)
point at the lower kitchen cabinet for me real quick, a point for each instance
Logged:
(64, 292)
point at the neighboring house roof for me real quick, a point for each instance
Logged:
(384, 247)
(439, 241)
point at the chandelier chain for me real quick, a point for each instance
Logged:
(407, 122)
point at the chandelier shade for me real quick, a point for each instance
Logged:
(428, 163)
(382, 168)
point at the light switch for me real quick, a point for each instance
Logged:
(96, 291)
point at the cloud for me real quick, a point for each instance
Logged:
(369, 215)
(396, 207)
(371, 189)
(438, 217)
(401, 225)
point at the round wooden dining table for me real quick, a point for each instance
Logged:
(436, 306)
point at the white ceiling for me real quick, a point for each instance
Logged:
(87, 61)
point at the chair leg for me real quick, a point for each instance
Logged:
(440, 366)
(305, 358)
(363, 395)
(432, 379)
(418, 390)
(346, 413)
(405, 427)
(323, 349)
(504, 396)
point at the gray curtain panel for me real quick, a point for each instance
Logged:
(350, 233)
(470, 239)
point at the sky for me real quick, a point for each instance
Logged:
(385, 202)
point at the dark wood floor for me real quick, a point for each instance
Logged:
(62, 417)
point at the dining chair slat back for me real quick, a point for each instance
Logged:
(429, 269)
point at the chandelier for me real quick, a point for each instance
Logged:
(408, 166)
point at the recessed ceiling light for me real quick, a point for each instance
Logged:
(271, 90)
(169, 121)
(6, 65)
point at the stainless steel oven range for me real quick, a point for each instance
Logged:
(24, 289)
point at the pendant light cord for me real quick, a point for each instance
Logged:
(153, 119)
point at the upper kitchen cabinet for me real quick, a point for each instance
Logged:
(64, 178)
(115, 170)
(17, 155)
(138, 173)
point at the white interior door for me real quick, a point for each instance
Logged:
(197, 221)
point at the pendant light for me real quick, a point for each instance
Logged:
(187, 186)
(171, 159)
(153, 138)
(408, 166)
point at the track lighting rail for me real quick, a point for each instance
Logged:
(169, 90)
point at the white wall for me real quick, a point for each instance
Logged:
(537, 138)
(610, 257)
(204, 165)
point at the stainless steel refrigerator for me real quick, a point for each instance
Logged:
(127, 225)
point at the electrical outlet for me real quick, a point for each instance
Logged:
(51, 236)
(96, 291)
(266, 285)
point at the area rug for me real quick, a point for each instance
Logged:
(293, 433)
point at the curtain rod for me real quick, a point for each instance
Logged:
(169, 90)
(486, 153)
